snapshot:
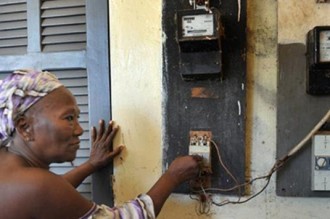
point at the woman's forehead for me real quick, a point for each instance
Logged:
(59, 99)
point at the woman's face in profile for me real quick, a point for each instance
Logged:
(55, 127)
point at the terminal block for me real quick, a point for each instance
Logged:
(200, 144)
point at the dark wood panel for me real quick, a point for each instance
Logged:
(222, 110)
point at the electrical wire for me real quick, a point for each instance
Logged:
(277, 165)
(226, 169)
(239, 4)
(236, 187)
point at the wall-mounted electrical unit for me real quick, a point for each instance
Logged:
(318, 61)
(198, 36)
(321, 162)
(204, 78)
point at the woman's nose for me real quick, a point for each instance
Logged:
(78, 131)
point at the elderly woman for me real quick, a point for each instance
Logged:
(39, 126)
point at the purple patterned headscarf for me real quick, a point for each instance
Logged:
(18, 92)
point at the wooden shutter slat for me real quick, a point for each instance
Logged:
(13, 50)
(75, 82)
(72, 38)
(79, 91)
(82, 99)
(4, 9)
(83, 117)
(12, 34)
(65, 12)
(84, 188)
(13, 25)
(71, 29)
(63, 21)
(13, 43)
(83, 108)
(62, 4)
(10, 17)
(9, 2)
(72, 73)
(84, 143)
(64, 47)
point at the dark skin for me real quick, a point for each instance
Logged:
(49, 132)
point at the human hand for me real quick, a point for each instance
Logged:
(102, 152)
(185, 168)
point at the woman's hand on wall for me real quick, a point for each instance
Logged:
(102, 152)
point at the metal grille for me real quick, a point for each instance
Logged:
(13, 27)
(63, 25)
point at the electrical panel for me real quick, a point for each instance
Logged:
(205, 81)
(321, 162)
(297, 114)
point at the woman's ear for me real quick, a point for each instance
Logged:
(23, 128)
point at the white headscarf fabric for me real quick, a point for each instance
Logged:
(18, 92)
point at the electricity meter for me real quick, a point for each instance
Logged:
(318, 61)
(198, 36)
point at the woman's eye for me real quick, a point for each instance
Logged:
(70, 118)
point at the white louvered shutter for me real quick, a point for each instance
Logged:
(50, 35)
(63, 25)
(13, 27)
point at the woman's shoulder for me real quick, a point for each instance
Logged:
(34, 181)
(25, 188)
(43, 193)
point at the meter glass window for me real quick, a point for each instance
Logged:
(324, 45)
(197, 25)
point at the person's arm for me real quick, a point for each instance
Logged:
(181, 169)
(102, 153)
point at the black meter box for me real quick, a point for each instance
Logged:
(198, 36)
(318, 61)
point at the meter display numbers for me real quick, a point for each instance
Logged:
(325, 46)
(198, 25)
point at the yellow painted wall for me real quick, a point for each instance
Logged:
(137, 101)
(296, 18)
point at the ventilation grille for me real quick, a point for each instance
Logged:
(13, 27)
(63, 25)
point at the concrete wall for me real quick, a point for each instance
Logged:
(137, 97)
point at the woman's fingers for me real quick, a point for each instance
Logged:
(116, 151)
